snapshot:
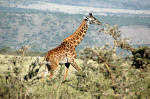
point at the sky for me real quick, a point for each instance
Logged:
(116, 4)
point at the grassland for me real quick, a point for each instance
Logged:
(114, 78)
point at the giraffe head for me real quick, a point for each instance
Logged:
(92, 20)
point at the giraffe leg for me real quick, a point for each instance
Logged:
(74, 64)
(66, 71)
(43, 74)
(53, 67)
(51, 74)
(48, 67)
(72, 60)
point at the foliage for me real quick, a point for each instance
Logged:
(129, 82)
(94, 82)
(115, 33)
(15, 82)
(141, 57)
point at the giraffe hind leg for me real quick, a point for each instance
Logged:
(48, 67)
(53, 67)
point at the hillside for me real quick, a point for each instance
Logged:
(44, 30)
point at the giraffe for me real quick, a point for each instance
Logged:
(65, 52)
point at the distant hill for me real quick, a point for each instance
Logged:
(44, 30)
(119, 4)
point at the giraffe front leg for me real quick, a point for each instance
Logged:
(66, 71)
(51, 74)
(74, 64)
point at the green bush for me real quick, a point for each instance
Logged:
(141, 57)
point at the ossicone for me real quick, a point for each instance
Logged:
(90, 14)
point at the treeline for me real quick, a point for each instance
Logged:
(8, 51)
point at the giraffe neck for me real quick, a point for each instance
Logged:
(78, 35)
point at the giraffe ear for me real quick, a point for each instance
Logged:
(85, 18)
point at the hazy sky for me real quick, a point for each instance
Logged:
(130, 4)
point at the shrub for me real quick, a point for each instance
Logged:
(141, 57)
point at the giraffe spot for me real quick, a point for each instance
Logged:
(74, 41)
(63, 43)
(63, 48)
(71, 42)
(80, 34)
(58, 48)
(77, 41)
(62, 51)
(68, 46)
(81, 30)
(85, 26)
(81, 38)
(72, 50)
(67, 49)
(67, 42)
(84, 31)
(83, 35)
(77, 38)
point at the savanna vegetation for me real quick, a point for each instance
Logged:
(105, 74)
